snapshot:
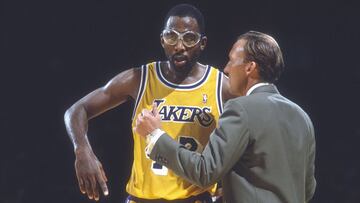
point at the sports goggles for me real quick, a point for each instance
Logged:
(188, 38)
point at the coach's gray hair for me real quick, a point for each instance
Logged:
(265, 51)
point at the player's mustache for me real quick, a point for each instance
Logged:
(179, 57)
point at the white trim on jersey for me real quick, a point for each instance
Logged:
(182, 87)
(142, 87)
(219, 89)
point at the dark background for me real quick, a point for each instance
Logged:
(55, 52)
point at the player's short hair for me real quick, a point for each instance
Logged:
(265, 51)
(187, 10)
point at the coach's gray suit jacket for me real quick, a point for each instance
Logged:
(262, 151)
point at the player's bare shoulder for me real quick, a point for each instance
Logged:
(126, 82)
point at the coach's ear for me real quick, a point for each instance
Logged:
(203, 43)
(252, 70)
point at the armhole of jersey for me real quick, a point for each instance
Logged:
(219, 91)
(143, 81)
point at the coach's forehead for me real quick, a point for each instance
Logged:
(182, 24)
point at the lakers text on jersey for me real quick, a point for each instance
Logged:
(189, 114)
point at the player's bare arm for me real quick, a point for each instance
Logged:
(89, 171)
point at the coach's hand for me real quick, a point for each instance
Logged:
(90, 174)
(147, 121)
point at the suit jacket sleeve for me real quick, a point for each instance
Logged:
(226, 144)
(310, 173)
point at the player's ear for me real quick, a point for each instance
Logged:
(161, 40)
(203, 43)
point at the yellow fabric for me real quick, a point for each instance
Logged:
(187, 114)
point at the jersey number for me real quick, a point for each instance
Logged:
(189, 142)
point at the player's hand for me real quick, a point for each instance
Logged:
(147, 121)
(90, 174)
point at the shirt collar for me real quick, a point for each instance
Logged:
(256, 86)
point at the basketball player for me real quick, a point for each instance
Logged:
(189, 96)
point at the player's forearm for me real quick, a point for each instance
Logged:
(76, 122)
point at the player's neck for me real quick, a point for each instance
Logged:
(186, 76)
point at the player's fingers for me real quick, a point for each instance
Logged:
(81, 185)
(102, 183)
(103, 173)
(96, 195)
(88, 188)
(94, 188)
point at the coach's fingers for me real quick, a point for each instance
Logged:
(145, 113)
(154, 109)
(139, 119)
(140, 126)
(137, 122)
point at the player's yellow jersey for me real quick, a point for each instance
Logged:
(189, 114)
